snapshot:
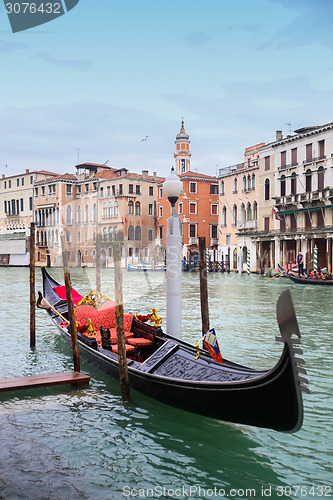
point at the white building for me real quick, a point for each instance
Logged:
(296, 198)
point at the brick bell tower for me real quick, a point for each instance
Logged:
(182, 154)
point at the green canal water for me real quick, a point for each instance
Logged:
(86, 443)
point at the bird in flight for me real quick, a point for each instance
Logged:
(144, 138)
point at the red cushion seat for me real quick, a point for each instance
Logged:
(140, 342)
(129, 348)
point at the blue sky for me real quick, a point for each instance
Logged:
(107, 74)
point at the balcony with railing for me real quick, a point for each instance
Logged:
(193, 240)
(314, 160)
(246, 225)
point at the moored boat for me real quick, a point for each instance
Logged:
(171, 371)
(144, 266)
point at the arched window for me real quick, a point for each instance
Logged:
(105, 209)
(78, 215)
(86, 237)
(267, 189)
(242, 213)
(94, 213)
(110, 209)
(137, 233)
(244, 183)
(224, 216)
(110, 233)
(78, 237)
(137, 208)
(248, 211)
(115, 233)
(253, 182)
(235, 185)
(222, 188)
(293, 188)
(234, 215)
(255, 210)
(86, 214)
(249, 182)
(308, 181)
(283, 185)
(115, 209)
(94, 236)
(69, 214)
(320, 178)
(105, 233)
(68, 236)
(130, 207)
(130, 233)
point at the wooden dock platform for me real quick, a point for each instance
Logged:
(44, 380)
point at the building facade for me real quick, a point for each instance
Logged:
(99, 200)
(16, 199)
(238, 210)
(296, 198)
(127, 205)
(16, 213)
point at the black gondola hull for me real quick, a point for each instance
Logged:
(307, 281)
(228, 391)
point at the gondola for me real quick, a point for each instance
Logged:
(170, 371)
(293, 271)
(307, 281)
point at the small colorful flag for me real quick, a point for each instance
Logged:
(210, 343)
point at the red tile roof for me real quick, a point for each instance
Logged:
(197, 175)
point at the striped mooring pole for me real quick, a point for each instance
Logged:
(207, 260)
(315, 258)
(248, 262)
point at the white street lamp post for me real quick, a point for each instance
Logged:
(173, 187)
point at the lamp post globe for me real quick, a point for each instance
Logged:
(173, 187)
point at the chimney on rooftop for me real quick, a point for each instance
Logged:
(144, 174)
(154, 176)
(26, 170)
(279, 135)
(3, 176)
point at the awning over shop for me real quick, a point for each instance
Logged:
(310, 209)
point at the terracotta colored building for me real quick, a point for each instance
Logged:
(118, 204)
(197, 206)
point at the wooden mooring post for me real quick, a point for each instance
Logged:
(122, 360)
(32, 286)
(71, 317)
(203, 285)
